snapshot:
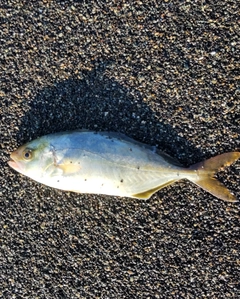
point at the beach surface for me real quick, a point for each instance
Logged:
(165, 73)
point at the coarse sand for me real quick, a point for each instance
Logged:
(165, 73)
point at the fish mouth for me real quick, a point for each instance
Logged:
(14, 164)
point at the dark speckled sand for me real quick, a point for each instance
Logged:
(162, 72)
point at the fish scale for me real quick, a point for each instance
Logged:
(113, 164)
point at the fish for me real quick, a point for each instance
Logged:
(113, 164)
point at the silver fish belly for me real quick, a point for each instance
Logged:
(108, 163)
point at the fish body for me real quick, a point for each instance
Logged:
(112, 164)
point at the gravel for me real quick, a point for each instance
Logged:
(163, 72)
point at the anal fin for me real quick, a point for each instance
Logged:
(148, 193)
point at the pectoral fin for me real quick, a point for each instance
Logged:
(69, 168)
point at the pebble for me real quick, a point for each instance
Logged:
(161, 72)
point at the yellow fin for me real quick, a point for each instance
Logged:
(216, 188)
(69, 168)
(206, 171)
(215, 163)
(148, 193)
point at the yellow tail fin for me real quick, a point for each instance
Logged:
(206, 171)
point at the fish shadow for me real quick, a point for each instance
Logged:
(98, 102)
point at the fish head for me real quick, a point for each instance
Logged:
(32, 158)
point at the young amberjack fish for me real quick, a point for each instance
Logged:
(113, 164)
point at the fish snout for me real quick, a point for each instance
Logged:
(13, 162)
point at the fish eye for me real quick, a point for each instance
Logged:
(27, 154)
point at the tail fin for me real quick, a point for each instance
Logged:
(206, 171)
